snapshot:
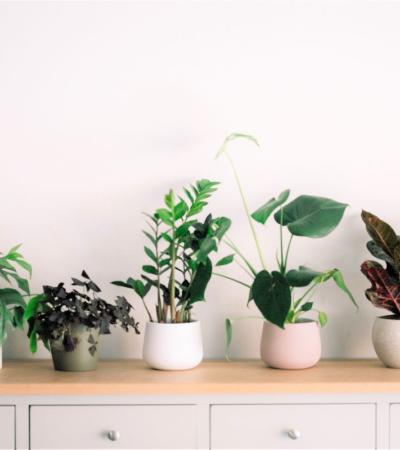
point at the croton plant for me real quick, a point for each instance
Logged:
(384, 245)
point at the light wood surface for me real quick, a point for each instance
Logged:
(37, 377)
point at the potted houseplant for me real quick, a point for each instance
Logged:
(69, 322)
(289, 339)
(16, 287)
(178, 272)
(385, 290)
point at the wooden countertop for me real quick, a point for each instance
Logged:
(211, 377)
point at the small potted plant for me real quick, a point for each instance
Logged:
(12, 302)
(385, 290)
(289, 339)
(69, 322)
(179, 270)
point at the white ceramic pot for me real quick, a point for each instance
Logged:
(386, 340)
(297, 346)
(173, 346)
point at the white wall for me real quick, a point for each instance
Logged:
(105, 106)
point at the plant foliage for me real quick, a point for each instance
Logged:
(385, 281)
(12, 302)
(51, 313)
(179, 249)
(274, 291)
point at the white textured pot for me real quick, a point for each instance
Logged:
(173, 346)
(386, 340)
(297, 346)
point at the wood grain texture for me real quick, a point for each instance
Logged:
(211, 377)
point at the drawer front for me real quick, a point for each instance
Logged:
(394, 426)
(330, 426)
(113, 427)
(7, 427)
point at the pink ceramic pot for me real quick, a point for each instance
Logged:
(297, 346)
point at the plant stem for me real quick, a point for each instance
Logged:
(282, 262)
(246, 208)
(230, 244)
(287, 251)
(172, 280)
(160, 318)
(232, 279)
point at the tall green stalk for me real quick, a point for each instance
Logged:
(246, 208)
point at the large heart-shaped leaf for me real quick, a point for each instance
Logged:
(264, 211)
(381, 232)
(310, 216)
(272, 296)
(385, 291)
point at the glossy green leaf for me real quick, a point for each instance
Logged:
(262, 213)
(301, 277)
(272, 296)
(310, 216)
(150, 269)
(225, 260)
(33, 305)
(165, 216)
(200, 282)
(9, 296)
(150, 254)
(339, 280)
(223, 224)
(306, 306)
(180, 210)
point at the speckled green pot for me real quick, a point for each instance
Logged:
(81, 359)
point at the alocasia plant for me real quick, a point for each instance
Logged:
(385, 245)
(273, 291)
(179, 249)
(12, 301)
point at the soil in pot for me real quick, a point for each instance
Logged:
(85, 355)
(297, 346)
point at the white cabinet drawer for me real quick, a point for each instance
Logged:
(136, 427)
(333, 426)
(7, 427)
(395, 426)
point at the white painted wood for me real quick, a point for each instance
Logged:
(138, 427)
(394, 428)
(7, 427)
(334, 426)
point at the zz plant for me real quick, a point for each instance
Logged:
(51, 314)
(179, 249)
(384, 245)
(274, 291)
(12, 301)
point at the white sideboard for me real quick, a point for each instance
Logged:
(219, 405)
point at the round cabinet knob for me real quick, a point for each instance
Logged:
(113, 435)
(294, 434)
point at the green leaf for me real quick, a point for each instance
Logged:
(18, 317)
(207, 245)
(165, 216)
(262, 213)
(33, 341)
(150, 237)
(223, 224)
(150, 269)
(122, 284)
(225, 260)
(301, 277)
(150, 254)
(33, 305)
(271, 293)
(379, 253)
(180, 210)
(22, 283)
(338, 278)
(228, 337)
(310, 216)
(306, 307)
(200, 281)
(322, 318)
(233, 137)
(9, 296)
(169, 200)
